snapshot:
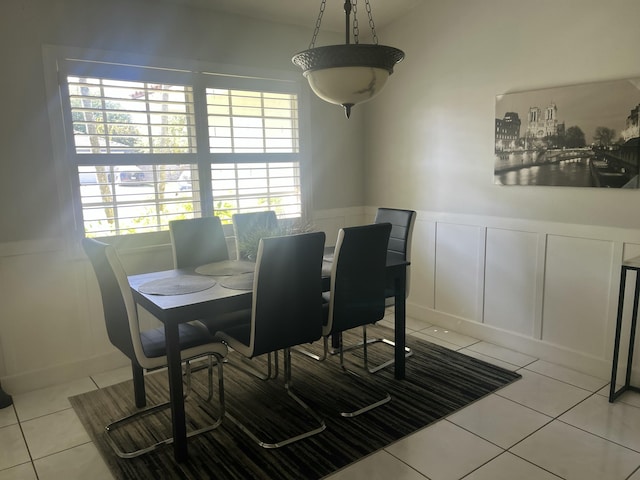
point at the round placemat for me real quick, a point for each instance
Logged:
(180, 285)
(226, 268)
(242, 281)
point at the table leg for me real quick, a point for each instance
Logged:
(400, 323)
(613, 394)
(176, 392)
(335, 343)
(139, 390)
(632, 332)
(616, 344)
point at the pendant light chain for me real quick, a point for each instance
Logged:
(318, 22)
(371, 24)
(356, 27)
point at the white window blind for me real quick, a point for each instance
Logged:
(251, 187)
(118, 200)
(111, 116)
(252, 122)
(143, 158)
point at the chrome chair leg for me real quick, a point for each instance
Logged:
(250, 367)
(366, 342)
(288, 386)
(340, 351)
(319, 358)
(110, 428)
(385, 398)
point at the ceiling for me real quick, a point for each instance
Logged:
(305, 12)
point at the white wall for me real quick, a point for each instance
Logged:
(431, 131)
(532, 268)
(154, 29)
(51, 325)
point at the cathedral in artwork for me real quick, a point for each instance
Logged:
(544, 124)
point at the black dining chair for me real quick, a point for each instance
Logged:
(197, 241)
(146, 349)
(286, 311)
(357, 294)
(400, 240)
(249, 227)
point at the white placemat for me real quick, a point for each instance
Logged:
(242, 281)
(177, 285)
(226, 268)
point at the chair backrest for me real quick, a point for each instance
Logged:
(120, 314)
(358, 277)
(400, 240)
(402, 222)
(197, 241)
(287, 292)
(245, 225)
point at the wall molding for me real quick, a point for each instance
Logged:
(32, 247)
(529, 346)
(62, 373)
(457, 304)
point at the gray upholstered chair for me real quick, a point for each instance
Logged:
(402, 222)
(197, 241)
(249, 227)
(357, 294)
(286, 311)
(146, 349)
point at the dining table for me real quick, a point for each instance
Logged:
(221, 296)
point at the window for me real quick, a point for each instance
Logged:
(151, 145)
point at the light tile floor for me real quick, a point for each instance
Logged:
(554, 423)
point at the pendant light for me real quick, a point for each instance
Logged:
(351, 73)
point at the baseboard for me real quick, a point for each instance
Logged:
(57, 374)
(563, 356)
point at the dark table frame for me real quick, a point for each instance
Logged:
(172, 310)
(632, 265)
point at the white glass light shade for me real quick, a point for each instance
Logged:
(348, 74)
(347, 85)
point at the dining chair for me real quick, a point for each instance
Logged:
(286, 311)
(197, 241)
(357, 293)
(400, 239)
(146, 349)
(249, 227)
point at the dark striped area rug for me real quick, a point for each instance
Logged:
(438, 382)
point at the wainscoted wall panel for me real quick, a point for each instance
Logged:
(40, 312)
(457, 270)
(546, 289)
(576, 293)
(511, 280)
(333, 220)
(52, 326)
(631, 250)
(423, 257)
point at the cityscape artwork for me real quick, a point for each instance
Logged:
(578, 136)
